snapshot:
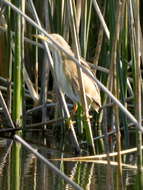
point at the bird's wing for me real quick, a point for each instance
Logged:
(92, 91)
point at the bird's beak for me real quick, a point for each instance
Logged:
(41, 37)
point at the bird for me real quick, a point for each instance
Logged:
(67, 74)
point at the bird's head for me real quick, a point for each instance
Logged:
(55, 41)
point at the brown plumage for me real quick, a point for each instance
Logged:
(67, 76)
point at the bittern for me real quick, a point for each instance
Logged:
(68, 79)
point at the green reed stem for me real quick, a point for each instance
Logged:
(17, 72)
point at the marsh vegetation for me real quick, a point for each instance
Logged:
(54, 54)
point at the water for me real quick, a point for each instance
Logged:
(34, 175)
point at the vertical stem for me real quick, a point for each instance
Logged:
(78, 15)
(17, 72)
(99, 41)
(22, 56)
(115, 88)
(44, 88)
(83, 28)
(138, 94)
(36, 66)
(15, 167)
(10, 41)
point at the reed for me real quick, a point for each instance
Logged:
(138, 81)
(17, 71)
(106, 35)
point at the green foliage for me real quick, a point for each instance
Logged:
(94, 46)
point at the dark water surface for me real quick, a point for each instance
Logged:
(35, 175)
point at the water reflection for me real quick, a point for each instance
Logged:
(32, 174)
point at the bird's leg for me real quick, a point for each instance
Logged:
(75, 107)
(78, 108)
(74, 110)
